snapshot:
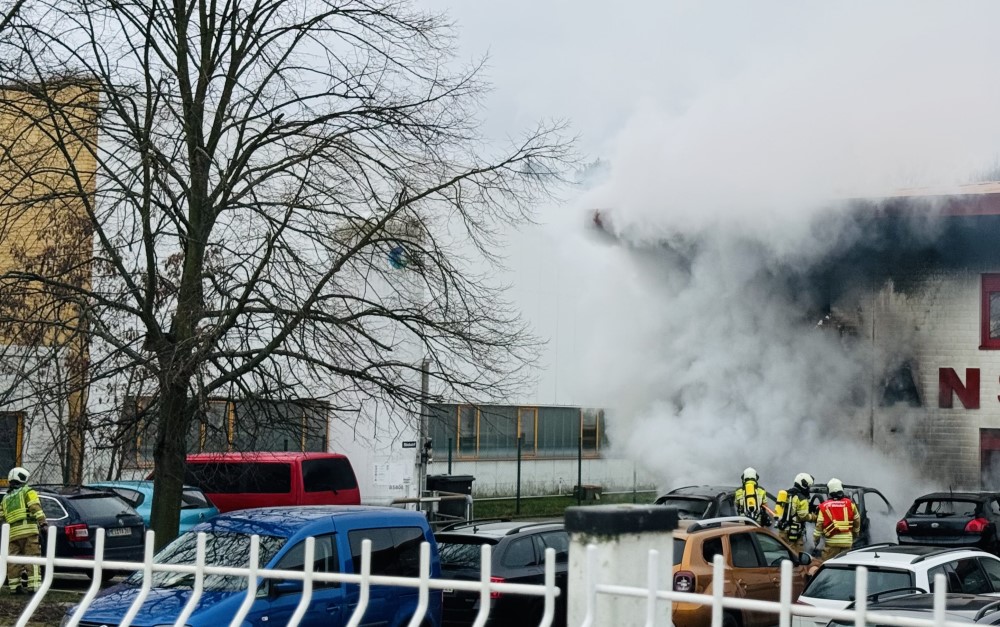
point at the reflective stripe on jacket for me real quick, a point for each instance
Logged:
(838, 521)
(800, 516)
(22, 510)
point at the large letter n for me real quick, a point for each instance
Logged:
(948, 382)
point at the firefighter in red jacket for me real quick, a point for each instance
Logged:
(837, 522)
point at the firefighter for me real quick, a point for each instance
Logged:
(793, 511)
(23, 512)
(751, 499)
(838, 521)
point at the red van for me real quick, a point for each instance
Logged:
(244, 480)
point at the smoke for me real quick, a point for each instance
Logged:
(730, 226)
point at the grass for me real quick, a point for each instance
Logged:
(550, 506)
(48, 614)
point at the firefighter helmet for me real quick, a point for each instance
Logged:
(834, 486)
(804, 480)
(749, 475)
(18, 474)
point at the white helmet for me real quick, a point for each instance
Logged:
(18, 474)
(804, 480)
(834, 485)
(749, 475)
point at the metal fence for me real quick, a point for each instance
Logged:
(657, 602)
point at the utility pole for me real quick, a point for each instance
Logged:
(423, 452)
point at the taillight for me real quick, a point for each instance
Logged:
(494, 594)
(977, 525)
(77, 533)
(902, 527)
(684, 581)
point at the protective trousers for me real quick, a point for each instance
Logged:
(830, 552)
(798, 544)
(24, 546)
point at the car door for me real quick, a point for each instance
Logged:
(751, 578)
(558, 540)
(395, 553)
(326, 607)
(774, 553)
(991, 566)
(964, 576)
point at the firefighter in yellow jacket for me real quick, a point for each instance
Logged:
(793, 512)
(23, 512)
(750, 499)
(838, 521)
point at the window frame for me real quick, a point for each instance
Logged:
(334, 559)
(18, 416)
(989, 284)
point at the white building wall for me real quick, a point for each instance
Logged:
(934, 315)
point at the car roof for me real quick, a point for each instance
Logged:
(499, 528)
(970, 495)
(70, 491)
(260, 456)
(286, 522)
(134, 484)
(895, 555)
(703, 490)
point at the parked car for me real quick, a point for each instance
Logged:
(244, 480)
(396, 537)
(960, 608)
(518, 556)
(752, 557)
(704, 501)
(195, 506)
(871, 503)
(895, 567)
(77, 513)
(952, 519)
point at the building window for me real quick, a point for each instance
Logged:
(990, 317)
(11, 441)
(492, 431)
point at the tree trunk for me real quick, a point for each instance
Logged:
(169, 457)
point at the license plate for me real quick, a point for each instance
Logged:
(119, 531)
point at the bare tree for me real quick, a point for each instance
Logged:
(291, 196)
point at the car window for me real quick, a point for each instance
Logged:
(875, 504)
(838, 582)
(944, 507)
(558, 540)
(727, 506)
(132, 497)
(744, 554)
(395, 551)
(992, 568)
(710, 548)
(519, 554)
(91, 506)
(239, 477)
(678, 550)
(971, 577)
(193, 498)
(53, 509)
(328, 474)
(773, 550)
(994, 506)
(324, 559)
(461, 553)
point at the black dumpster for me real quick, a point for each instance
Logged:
(458, 484)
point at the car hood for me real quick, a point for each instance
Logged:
(162, 605)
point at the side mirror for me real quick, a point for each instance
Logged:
(805, 559)
(279, 588)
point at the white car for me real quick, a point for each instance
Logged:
(898, 567)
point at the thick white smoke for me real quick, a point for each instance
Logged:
(686, 324)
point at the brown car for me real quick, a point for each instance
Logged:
(753, 557)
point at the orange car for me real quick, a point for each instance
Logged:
(753, 557)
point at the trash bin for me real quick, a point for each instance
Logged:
(458, 484)
(587, 492)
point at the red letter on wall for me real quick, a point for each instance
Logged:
(949, 382)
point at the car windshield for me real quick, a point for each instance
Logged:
(686, 507)
(221, 549)
(944, 507)
(92, 506)
(837, 582)
(461, 553)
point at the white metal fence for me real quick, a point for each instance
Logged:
(658, 602)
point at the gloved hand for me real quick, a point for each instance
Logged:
(43, 527)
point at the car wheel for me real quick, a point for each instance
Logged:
(729, 620)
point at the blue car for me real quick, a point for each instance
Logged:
(195, 506)
(339, 530)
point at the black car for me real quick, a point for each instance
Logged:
(953, 519)
(78, 512)
(872, 505)
(705, 501)
(518, 557)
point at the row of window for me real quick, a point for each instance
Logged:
(493, 431)
(233, 425)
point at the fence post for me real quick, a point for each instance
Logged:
(619, 537)
(450, 445)
(517, 497)
(579, 470)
